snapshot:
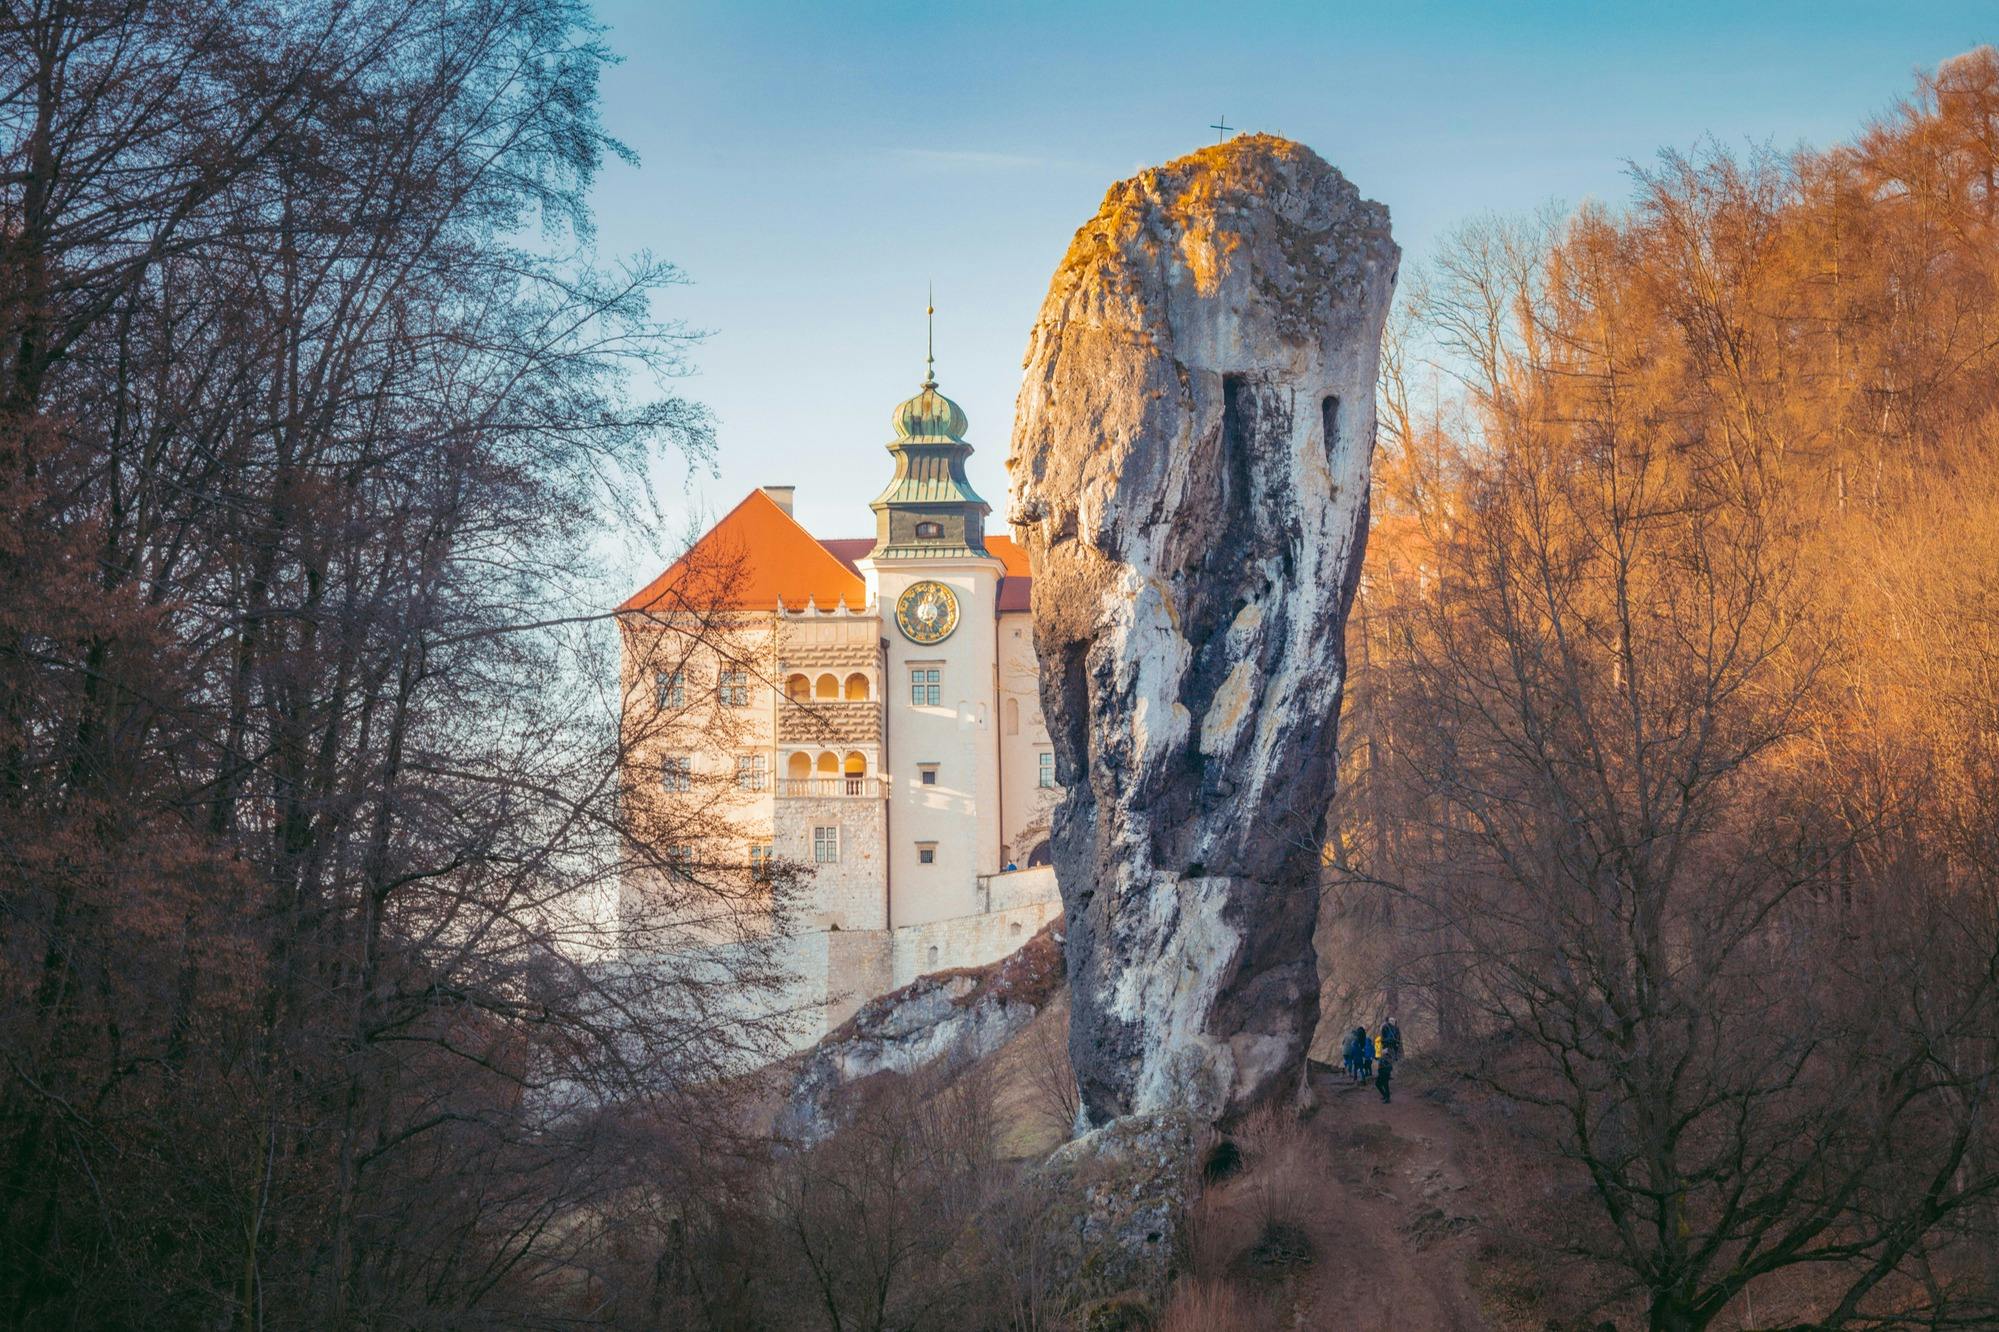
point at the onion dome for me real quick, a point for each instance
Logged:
(930, 416)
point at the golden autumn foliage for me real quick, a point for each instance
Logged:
(1670, 795)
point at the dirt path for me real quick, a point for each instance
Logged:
(1391, 1218)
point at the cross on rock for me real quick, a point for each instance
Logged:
(1221, 129)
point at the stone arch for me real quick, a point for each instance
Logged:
(799, 766)
(856, 765)
(857, 687)
(797, 688)
(829, 764)
(1040, 855)
(828, 686)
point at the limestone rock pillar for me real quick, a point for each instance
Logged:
(1190, 472)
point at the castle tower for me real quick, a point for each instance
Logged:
(936, 586)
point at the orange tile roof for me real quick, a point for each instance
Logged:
(1016, 585)
(1011, 555)
(754, 556)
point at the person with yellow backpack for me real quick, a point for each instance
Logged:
(1387, 1049)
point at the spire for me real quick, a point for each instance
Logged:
(930, 340)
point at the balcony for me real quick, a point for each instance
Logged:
(795, 787)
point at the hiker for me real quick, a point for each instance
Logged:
(1392, 1036)
(1363, 1056)
(1384, 1060)
(1350, 1054)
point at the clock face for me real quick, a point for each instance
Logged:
(926, 612)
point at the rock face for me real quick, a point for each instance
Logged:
(946, 1019)
(1130, 1182)
(1190, 471)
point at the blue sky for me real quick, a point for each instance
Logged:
(812, 167)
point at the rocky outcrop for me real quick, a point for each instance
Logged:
(1129, 1182)
(1190, 470)
(943, 1020)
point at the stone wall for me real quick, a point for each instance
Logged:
(836, 971)
(848, 893)
(965, 941)
(1028, 887)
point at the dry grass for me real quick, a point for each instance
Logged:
(1282, 1163)
(1213, 1305)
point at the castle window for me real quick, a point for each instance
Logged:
(733, 689)
(929, 531)
(676, 773)
(753, 772)
(1045, 777)
(680, 862)
(798, 689)
(760, 861)
(926, 853)
(826, 845)
(926, 686)
(672, 689)
(927, 773)
(857, 687)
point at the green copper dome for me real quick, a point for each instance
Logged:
(929, 508)
(930, 416)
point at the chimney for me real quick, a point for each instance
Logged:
(781, 495)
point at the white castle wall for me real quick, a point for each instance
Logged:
(835, 971)
(965, 941)
(847, 894)
(1028, 887)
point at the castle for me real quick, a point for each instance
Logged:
(875, 717)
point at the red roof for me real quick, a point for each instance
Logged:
(1017, 583)
(848, 549)
(755, 556)
(758, 554)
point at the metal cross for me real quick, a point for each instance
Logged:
(1221, 129)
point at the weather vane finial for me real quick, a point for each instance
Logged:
(930, 339)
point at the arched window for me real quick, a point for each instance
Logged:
(828, 687)
(1013, 716)
(798, 767)
(829, 765)
(929, 531)
(857, 765)
(857, 686)
(798, 688)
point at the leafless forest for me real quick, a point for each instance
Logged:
(1670, 806)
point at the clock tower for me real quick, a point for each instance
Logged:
(936, 586)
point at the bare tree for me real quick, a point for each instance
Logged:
(312, 401)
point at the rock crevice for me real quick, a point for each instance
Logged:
(1189, 469)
